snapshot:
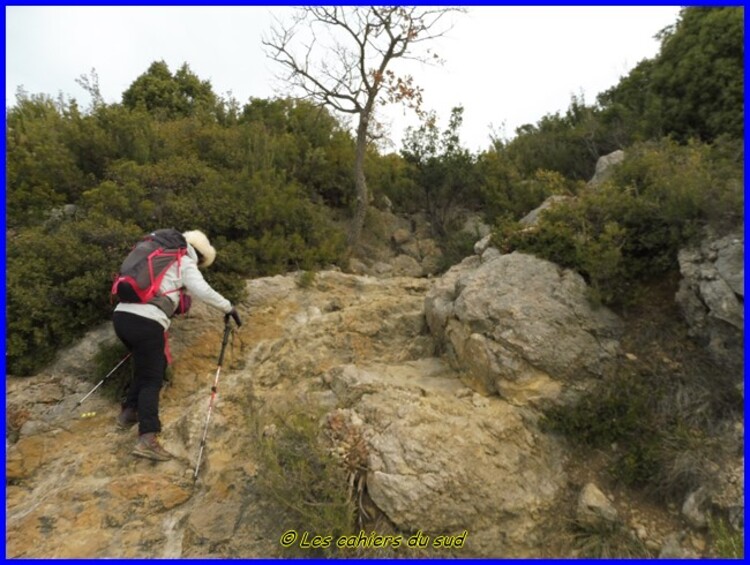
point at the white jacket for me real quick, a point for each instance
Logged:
(185, 275)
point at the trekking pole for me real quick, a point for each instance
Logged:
(214, 388)
(101, 382)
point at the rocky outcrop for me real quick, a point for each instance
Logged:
(448, 441)
(440, 457)
(532, 218)
(594, 509)
(604, 167)
(373, 353)
(711, 296)
(523, 327)
(492, 473)
(398, 247)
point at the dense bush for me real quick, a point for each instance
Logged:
(629, 229)
(443, 171)
(255, 181)
(692, 89)
(58, 282)
(59, 274)
(568, 144)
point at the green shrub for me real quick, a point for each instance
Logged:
(612, 413)
(299, 473)
(629, 230)
(455, 247)
(554, 241)
(306, 279)
(726, 542)
(613, 541)
(659, 447)
(692, 184)
(58, 285)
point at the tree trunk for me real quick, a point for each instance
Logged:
(360, 184)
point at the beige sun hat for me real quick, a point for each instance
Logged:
(200, 242)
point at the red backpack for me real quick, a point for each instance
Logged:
(143, 270)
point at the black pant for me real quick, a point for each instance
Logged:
(144, 338)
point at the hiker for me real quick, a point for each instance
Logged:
(142, 328)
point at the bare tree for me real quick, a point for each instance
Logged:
(350, 74)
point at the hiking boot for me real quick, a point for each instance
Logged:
(148, 446)
(127, 417)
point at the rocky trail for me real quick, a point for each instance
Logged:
(441, 377)
(74, 490)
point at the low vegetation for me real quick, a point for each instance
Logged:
(298, 471)
(727, 542)
(666, 416)
(628, 230)
(611, 541)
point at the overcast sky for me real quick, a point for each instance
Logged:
(507, 66)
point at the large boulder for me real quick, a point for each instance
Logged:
(442, 459)
(711, 296)
(522, 327)
(605, 167)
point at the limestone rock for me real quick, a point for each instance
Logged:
(604, 166)
(532, 218)
(523, 327)
(711, 296)
(401, 236)
(594, 509)
(481, 245)
(474, 225)
(694, 508)
(357, 267)
(431, 256)
(443, 455)
(673, 548)
(77, 359)
(405, 266)
(489, 468)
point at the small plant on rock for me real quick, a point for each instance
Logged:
(607, 541)
(727, 541)
(298, 471)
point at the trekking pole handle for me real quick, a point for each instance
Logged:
(225, 340)
(235, 316)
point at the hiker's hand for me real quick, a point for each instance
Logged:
(236, 316)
